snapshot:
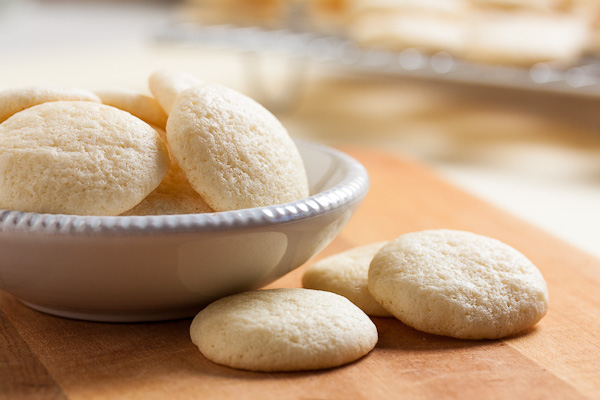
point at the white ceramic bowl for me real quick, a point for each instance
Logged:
(144, 268)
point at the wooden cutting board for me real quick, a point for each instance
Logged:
(50, 357)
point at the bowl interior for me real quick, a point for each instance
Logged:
(324, 169)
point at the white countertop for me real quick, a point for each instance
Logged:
(536, 156)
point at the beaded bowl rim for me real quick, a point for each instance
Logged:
(353, 187)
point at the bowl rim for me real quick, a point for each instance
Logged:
(352, 188)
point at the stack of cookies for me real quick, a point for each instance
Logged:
(444, 282)
(494, 31)
(519, 32)
(193, 147)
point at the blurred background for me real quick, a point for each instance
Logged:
(500, 97)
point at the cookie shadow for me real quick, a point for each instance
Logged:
(395, 335)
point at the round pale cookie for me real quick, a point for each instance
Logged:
(74, 157)
(17, 99)
(283, 330)
(166, 85)
(234, 152)
(458, 284)
(346, 274)
(174, 195)
(142, 106)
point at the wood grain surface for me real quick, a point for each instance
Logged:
(48, 357)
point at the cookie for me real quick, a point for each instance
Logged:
(14, 100)
(166, 85)
(234, 152)
(429, 31)
(283, 330)
(458, 284)
(526, 38)
(346, 274)
(76, 157)
(142, 106)
(174, 195)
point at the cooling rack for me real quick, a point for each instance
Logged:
(579, 79)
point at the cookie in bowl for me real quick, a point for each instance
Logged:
(17, 99)
(234, 152)
(78, 157)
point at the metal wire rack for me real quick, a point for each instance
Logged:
(582, 79)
